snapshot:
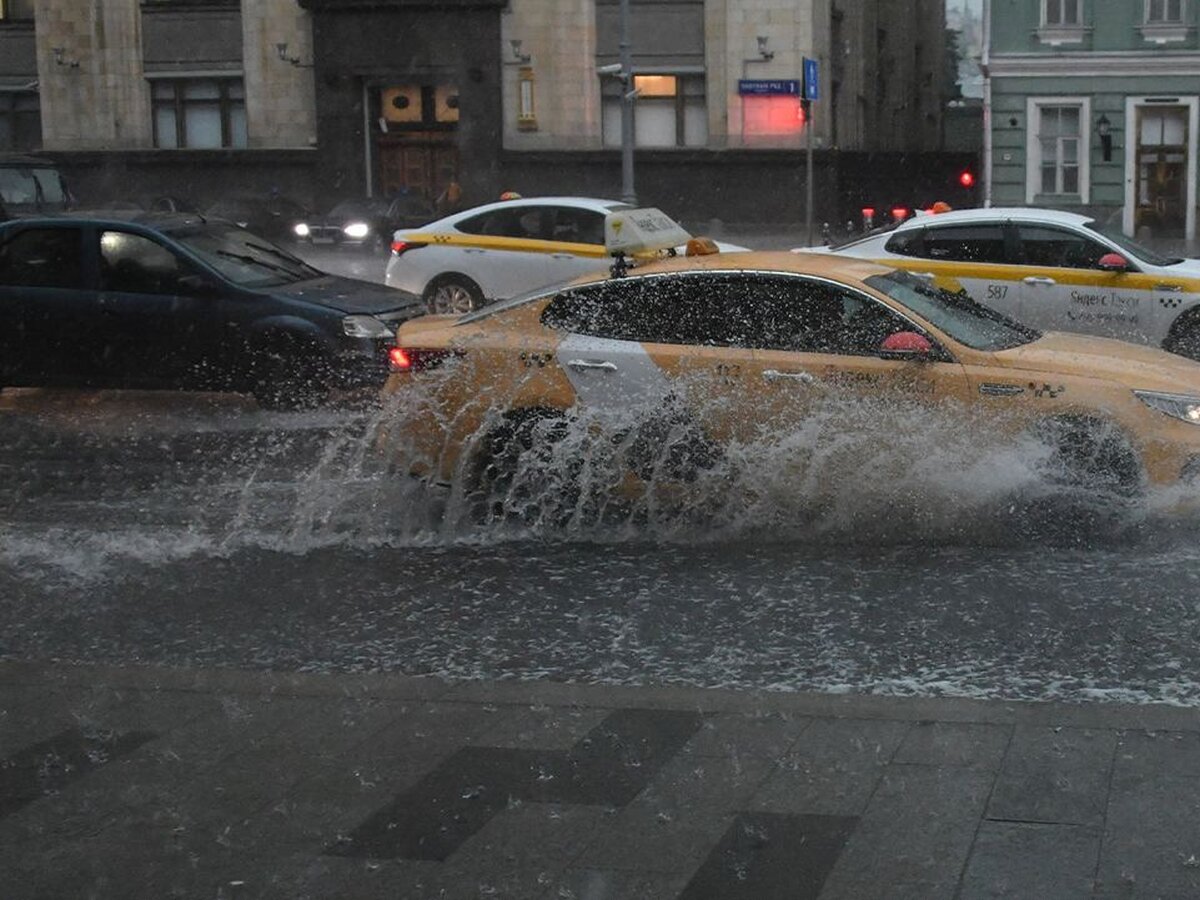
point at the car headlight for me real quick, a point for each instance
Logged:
(1177, 406)
(365, 327)
(301, 229)
(357, 230)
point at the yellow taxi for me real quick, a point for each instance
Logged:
(724, 347)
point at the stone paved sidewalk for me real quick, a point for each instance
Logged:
(146, 782)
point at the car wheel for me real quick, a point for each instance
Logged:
(453, 295)
(514, 475)
(288, 374)
(1090, 454)
(1184, 338)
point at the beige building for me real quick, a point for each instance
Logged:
(881, 68)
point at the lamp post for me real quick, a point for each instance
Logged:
(628, 195)
(1104, 130)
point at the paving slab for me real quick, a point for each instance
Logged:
(235, 784)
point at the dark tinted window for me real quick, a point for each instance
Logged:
(579, 226)
(527, 222)
(966, 243)
(135, 264)
(42, 257)
(754, 312)
(906, 243)
(1043, 245)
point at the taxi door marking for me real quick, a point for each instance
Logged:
(610, 375)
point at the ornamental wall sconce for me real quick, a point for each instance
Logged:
(60, 58)
(518, 56)
(1104, 130)
(281, 49)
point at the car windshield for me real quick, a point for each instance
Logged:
(244, 258)
(957, 315)
(1132, 247)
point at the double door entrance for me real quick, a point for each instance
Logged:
(1160, 166)
(418, 164)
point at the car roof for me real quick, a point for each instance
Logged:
(158, 221)
(590, 203)
(992, 213)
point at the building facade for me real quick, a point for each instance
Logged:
(1093, 106)
(336, 98)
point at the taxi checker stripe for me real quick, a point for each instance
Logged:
(1000, 273)
(494, 242)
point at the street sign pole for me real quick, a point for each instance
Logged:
(806, 105)
(810, 91)
(628, 195)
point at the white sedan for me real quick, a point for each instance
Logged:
(501, 250)
(1054, 270)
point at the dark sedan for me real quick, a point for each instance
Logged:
(367, 224)
(177, 302)
(274, 217)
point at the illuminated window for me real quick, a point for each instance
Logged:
(198, 113)
(670, 111)
(767, 116)
(526, 110)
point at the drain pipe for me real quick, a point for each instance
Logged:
(985, 69)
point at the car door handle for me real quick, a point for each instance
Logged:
(924, 276)
(1034, 279)
(563, 255)
(802, 377)
(592, 365)
(474, 250)
(1169, 288)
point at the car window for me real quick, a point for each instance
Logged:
(905, 243)
(982, 243)
(524, 222)
(578, 226)
(652, 309)
(1044, 245)
(132, 263)
(42, 257)
(968, 322)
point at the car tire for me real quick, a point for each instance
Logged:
(288, 374)
(513, 475)
(1184, 337)
(452, 295)
(1092, 455)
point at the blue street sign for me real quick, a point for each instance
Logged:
(789, 88)
(811, 87)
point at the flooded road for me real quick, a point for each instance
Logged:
(201, 531)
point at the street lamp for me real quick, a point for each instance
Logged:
(1104, 130)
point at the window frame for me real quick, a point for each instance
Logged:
(1056, 33)
(1164, 22)
(179, 104)
(7, 14)
(681, 99)
(1033, 150)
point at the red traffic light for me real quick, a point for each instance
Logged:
(967, 178)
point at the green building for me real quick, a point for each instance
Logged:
(1092, 106)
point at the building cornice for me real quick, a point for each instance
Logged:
(429, 5)
(1086, 64)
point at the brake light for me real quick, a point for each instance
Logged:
(899, 213)
(407, 359)
(400, 247)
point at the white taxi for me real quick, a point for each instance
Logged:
(1053, 270)
(501, 250)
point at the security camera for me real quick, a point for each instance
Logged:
(613, 69)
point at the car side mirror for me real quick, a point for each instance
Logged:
(906, 345)
(1113, 262)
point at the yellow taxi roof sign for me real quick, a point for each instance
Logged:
(632, 232)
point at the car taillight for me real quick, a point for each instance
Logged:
(399, 247)
(407, 359)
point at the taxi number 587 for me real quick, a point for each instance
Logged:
(997, 291)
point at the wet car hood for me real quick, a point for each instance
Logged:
(350, 295)
(1129, 364)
